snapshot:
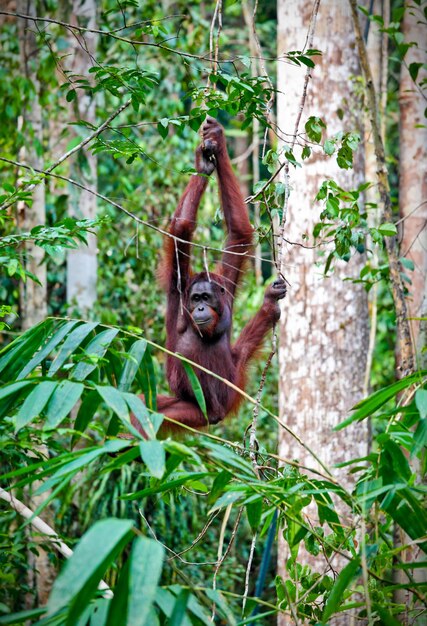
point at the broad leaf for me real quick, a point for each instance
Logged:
(73, 341)
(96, 349)
(153, 455)
(35, 403)
(79, 578)
(133, 362)
(63, 400)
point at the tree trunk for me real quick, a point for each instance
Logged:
(413, 164)
(33, 305)
(82, 262)
(324, 324)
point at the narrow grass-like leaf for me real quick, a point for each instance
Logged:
(166, 486)
(149, 422)
(196, 387)
(22, 617)
(96, 348)
(131, 366)
(16, 355)
(86, 412)
(144, 568)
(149, 381)
(35, 403)
(179, 609)
(73, 341)
(229, 497)
(59, 333)
(114, 399)
(343, 581)
(228, 459)
(367, 407)
(8, 390)
(79, 578)
(153, 455)
(63, 399)
(83, 460)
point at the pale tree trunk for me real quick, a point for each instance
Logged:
(413, 165)
(324, 324)
(82, 262)
(33, 296)
(33, 304)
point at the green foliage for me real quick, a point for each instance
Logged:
(95, 359)
(68, 387)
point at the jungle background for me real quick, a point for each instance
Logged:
(309, 506)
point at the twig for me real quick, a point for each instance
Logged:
(67, 155)
(285, 165)
(248, 571)
(222, 557)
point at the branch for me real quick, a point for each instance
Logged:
(65, 156)
(46, 530)
(404, 342)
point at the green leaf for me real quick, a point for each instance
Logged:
(22, 617)
(63, 399)
(162, 130)
(86, 412)
(150, 422)
(71, 344)
(115, 400)
(15, 356)
(384, 614)
(229, 497)
(420, 437)
(196, 387)
(329, 147)
(254, 512)
(34, 403)
(97, 347)
(130, 369)
(144, 568)
(344, 579)
(149, 382)
(166, 486)
(153, 455)
(368, 406)
(81, 574)
(8, 390)
(421, 402)
(59, 333)
(387, 229)
(414, 68)
(179, 609)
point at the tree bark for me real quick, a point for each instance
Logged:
(324, 324)
(413, 164)
(82, 262)
(33, 306)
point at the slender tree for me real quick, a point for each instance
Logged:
(33, 305)
(82, 262)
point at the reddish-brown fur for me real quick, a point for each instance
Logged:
(211, 348)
